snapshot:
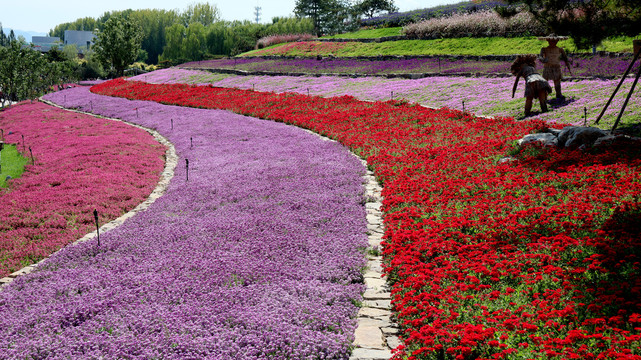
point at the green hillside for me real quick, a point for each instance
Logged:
(456, 46)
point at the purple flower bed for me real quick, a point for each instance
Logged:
(353, 66)
(581, 66)
(256, 256)
(483, 96)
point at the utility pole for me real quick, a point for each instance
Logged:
(257, 10)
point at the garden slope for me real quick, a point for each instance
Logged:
(534, 257)
(256, 256)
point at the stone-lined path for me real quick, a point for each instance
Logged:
(376, 334)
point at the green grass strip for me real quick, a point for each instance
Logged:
(368, 33)
(12, 164)
(459, 46)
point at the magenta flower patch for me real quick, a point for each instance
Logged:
(81, 163)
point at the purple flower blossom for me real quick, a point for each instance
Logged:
(257, 256)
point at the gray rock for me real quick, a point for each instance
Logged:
(507, 159)
(544, 138)
(370, 354)
(575, 136)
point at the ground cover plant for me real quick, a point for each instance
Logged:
(81, 163)
(445, 46)
(256, 254)
(12, 164)
(533, 257)
(408, 17)
(279, 39)
(482, 96)
(582, 66)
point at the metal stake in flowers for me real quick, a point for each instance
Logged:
(95, 217)
(22, 143)
(187, 168)
(172, 124)
(191, 142)
(31, 153)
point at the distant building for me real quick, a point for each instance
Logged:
(45, 43)
(84, 40)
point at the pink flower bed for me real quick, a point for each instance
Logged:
(82, 163)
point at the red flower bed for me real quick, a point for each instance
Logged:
(538, 257)
(82, 163)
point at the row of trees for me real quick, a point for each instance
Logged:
(198, 28)
(198, 32)
(26, 73)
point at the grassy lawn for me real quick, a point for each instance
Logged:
(12, 164)
(368, 33)
(458, 46)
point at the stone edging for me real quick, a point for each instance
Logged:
(376, 334)
(171, 159)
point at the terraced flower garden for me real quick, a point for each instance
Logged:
(481, 96)
(598, 66)
(534, 258)
(256, 249)
(255, 253)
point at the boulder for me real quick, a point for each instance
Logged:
(545, 138)
(576, 136)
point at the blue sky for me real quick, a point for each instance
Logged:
(43, 15)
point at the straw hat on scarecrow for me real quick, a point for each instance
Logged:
(553, 37)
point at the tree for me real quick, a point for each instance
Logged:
(3, 37)
(203, 13)
(587, 22)
(369, 8)
(118, 43)
(328, 16)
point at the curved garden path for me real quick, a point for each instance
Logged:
(187, 277)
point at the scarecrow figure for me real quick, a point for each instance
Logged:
(535, 84)
(551, 58)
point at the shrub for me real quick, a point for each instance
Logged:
(478, 24)
(409, 17)
(279, 39)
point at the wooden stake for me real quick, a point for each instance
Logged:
(634, 84)
(95, 217)
(627, 71)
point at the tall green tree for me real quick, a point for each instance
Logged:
(588, 22)
(328, 16)
(117, 44)
(204, 13)
(369, 8)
